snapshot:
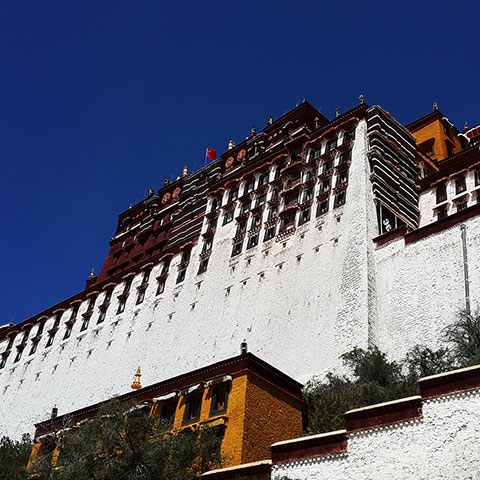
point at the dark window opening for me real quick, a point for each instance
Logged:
(304, 217)
(307, 195)
(101, 317)
(237, 249)
(3, 361)
(85, 323)
(344, 157)
(342, 178)
(121, 306)
(322, 208)
(232, 195)
(269, 233)
(167, 414)
(165, 267)
(252, 241)
(331, 145)
(203, 266)
(227, 217)
(441, 193)
(287, 222)
(18, 356)
(241, 228)
(349, 135)
(249, 186)
(272, 212)
(325, 186)
(477, 178)
(207, 245)
(340, 199)
(245, 208)
(34, 347)
(140, 296)
(160, 287)
(185, 256)
(442, 214)
(51, 337)
(460, 185)
(263, 179)
(327, 166)
(181, 275)
(219, 403)
(461, 206)
(261, 200)
(256, 220)
(192, 409)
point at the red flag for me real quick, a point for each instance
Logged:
(211, 154)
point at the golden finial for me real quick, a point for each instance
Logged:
(317, 122)
(231, 144)
(166, 183)
(136, 382)
(465, 127)
(435, 105)
(91, 275)
(270, 120)
(360, 99)
(337, 111)
(253, 131)
(304, 101)
(185, 171)
(150, 192)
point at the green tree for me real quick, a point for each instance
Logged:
(123, 442)
(14, 458)
(372, 379)
(463, 337)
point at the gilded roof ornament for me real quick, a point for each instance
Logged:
(185, 171)
(360, 99)
(337, 111)
(136, 385)
(231, 144)
(91, 275)
(270, 120)
(435, 105)
(253, 131)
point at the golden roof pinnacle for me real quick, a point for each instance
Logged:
(136, 385)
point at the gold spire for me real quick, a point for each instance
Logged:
(253, 131)
(337, 111)
(136, 382)
(465, 127)
(91, 274)
(231, 144)
(185, 171)
(270, 120)
(360, 98)
(435, 105)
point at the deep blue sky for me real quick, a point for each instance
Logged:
(99, 100)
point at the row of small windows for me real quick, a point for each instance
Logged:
(286, 223)
(263, 179)
(87, 315)
(460, 187)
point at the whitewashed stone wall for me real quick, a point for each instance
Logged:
(420, 287)
(299, 303)
(444, 444)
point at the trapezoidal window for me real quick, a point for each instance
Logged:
(193, 407)
(219, 402)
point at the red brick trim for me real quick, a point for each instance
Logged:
(314, 446)
(250, 471)
(383, 414)
(457, 381)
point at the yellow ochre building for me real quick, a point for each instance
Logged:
(254, 403)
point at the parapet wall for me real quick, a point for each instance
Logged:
(433, 435)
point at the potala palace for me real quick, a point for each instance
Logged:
(310, 237)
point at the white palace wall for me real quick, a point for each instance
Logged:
(442, 444)
(421, 287)
(299, 303)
